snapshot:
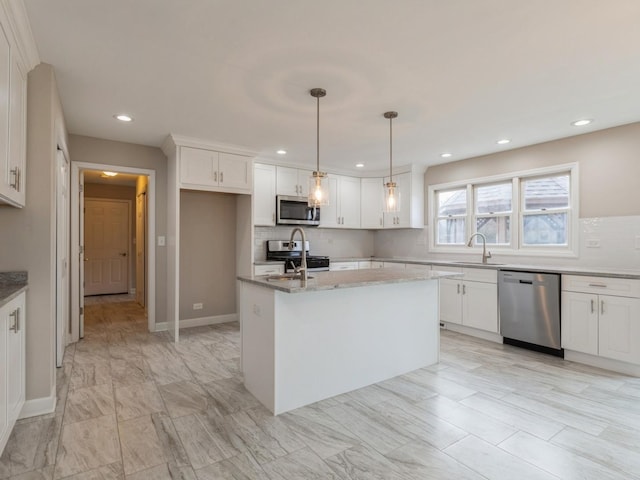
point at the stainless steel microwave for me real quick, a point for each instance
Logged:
(296, 211)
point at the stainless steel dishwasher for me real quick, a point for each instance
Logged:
(530, 310)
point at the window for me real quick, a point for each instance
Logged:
(532, 212)
(545, 211)
(452, 216)
(493, 212)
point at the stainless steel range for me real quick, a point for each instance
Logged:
(278, 250)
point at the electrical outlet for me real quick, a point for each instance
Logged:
(593, 243)
(197, 306)
(161, 241)
(256, 309)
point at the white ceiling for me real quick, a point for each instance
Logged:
(461, 73)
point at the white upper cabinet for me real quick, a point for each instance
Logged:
(264, 195)
(13, 120)
(292, 181)
(343, 210)
(411, 214)
(371, 203)
(202, 169)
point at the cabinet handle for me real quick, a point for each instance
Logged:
(458, 289)
(16, 176)
(16, 320)
(221, 177)
(599, 285)
(215, 176)
(464, 289)
(592, 305)
(273, 217)
(602, 306)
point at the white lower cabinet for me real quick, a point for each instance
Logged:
(275, 269)
(598, 323)
(468, 302)
(12, 365)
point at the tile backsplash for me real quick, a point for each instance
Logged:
(322, 241)
(604, 242)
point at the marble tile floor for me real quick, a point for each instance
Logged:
(133, 405)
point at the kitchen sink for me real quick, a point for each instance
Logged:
(285, 277)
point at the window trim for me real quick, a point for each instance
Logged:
(516, 247)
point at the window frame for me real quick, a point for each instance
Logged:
(465, 216)
(509, 215)
(516, 246)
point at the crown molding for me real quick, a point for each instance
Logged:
(16, 14)
(172, 141)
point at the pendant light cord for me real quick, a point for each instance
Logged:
(318, 134)
(390, 150)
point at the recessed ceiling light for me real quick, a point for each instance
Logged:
(580, 123)
(446, 155)
(109, 174)
(281, 152)
(359, 165)
(503, 141)
(123, 117)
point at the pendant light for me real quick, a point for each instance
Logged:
(318, 181)
(391, 192)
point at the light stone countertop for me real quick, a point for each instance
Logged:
(12, 284)
(565, 270)
(346, 279)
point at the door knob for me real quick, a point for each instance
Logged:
(124, 254)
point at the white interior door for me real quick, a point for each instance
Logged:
(63, 324)
(141, 241)
(106, 241)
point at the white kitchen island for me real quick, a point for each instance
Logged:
(345, 330)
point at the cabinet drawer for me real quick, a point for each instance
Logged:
(268, 269)
(621, 287)
(486, 275)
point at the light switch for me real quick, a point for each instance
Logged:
(161, 241)
(593, 243)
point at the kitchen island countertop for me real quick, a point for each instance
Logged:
(346, 279)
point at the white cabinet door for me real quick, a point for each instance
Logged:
(17, 131)
(4, 333)
(330, 214)
(234, 171)
(349, 194)
(198, 167)
(480, 305)
(580, 322)
(450, 300)
(5, 162)
(268, 269)
(16, 358)
(371, 203)
(292, 181)
(401, 219)
(619, 328)
(264, 195)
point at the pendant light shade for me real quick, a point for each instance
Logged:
(318, 181)
(391, 191)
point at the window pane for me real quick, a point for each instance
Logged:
(545, 229)
(496, 229)
(546, 193)
(452, 202)
(451, 231)
(493, 198)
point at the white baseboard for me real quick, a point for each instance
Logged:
(605, 363)
(474, 332)
(39, 406)
(199, 322)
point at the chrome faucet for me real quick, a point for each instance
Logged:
(485, 254)
(303, 267)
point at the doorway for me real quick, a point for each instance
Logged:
(113, 227)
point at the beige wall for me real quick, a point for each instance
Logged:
(609, 168)
(119, 192)
(207, 253)
(27, 235)
(108, 152)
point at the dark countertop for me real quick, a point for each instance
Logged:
(12, 284)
